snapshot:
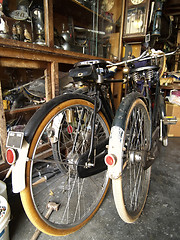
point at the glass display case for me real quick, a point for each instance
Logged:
(87, 26)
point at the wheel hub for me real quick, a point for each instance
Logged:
(136, 156)
(72, 160)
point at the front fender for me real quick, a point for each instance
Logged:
(18, 170)
(116, 148)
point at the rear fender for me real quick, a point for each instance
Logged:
(116, 148)
(19, 169)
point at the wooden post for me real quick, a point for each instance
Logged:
(55, 79)
(177, 56)
(3, 131)
(48, 85)
(121, 30)
(117, 90)
(48, 23)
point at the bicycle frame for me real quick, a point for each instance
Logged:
(100, 103)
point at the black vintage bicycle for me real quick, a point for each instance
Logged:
(139, 126)
(67, 141)
(65, 144)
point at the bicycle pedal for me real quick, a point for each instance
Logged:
(167, 120)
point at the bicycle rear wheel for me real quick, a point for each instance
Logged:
(65, 129)
(131, 188)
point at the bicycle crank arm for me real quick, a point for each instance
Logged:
(99, 164)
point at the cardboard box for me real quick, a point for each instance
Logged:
(173, 110)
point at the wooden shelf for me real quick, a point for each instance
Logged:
(21, 110)
(34, 52)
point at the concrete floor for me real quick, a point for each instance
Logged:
(159, 220)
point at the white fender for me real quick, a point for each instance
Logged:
(116, 148)
(18, 171)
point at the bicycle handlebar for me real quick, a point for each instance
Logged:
(127, 61)
(146, 55)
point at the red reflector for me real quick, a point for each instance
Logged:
(70, 129)
(110, 160)
(10, 156)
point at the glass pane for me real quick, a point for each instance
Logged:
(88, 26)
(135, 20)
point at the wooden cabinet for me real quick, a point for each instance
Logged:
(87, 29)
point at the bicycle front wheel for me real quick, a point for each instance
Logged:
(52, 176)
(131, 188)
